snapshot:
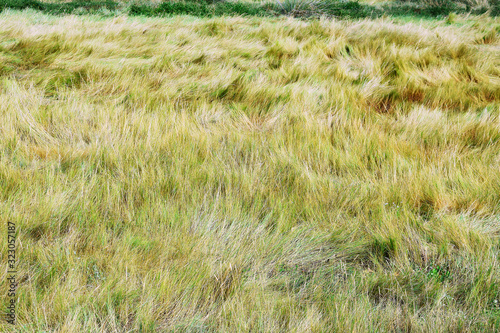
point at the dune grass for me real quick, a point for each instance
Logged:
(251, 175)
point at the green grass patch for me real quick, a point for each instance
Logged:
(296, 8)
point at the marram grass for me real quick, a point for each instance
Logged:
(251, 175)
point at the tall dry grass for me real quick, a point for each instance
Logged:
(248, 175)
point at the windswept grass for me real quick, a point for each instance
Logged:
(251, 175)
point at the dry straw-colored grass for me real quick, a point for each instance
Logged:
(251, 175)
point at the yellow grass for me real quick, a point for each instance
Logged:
(251, 175)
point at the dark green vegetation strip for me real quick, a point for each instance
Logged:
(349, 9)
(59, 8)
(204, 9)
(208, 8)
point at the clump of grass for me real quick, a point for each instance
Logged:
(297, 7)
(451, 18)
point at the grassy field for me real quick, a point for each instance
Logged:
(250, 174)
